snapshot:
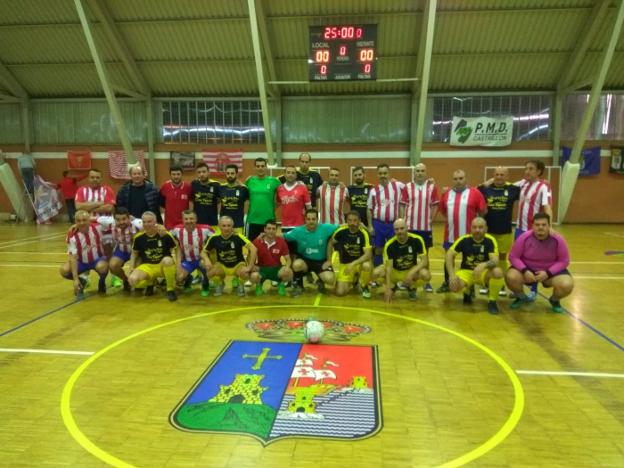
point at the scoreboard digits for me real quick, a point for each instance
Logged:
(343, 53)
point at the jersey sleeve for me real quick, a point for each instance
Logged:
(110, 198)
(244, 240)
(367, 244)
(422, 248)
(404, 194)
(136, 241)
(105, 221)
(458, 245)
(371, 199)
(80, 195)
(480, 201)
(443, 206)
(72, 248)
(209, 244)
(388, 251)
(546, 195)
(435, 196)
(494, 246)
(291, 235)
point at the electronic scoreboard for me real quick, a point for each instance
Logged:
(343, 52)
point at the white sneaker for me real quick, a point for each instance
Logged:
(248, 284)
(502, 292)
(483, 291)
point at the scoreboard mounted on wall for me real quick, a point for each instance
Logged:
(345, 52)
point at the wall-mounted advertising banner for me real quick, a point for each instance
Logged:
(590, 160)
(617, 160)
(482, 131)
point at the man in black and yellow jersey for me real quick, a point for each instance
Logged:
(402, 263)
(352, 244)
(500, 196)
(479, 264)
(226, 249)
(155, 249)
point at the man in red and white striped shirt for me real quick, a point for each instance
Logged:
(460, 206)
(383, 208)
(86, 253)
(331, 199)
(95, 198)
(191, 239)
(123, 228)
(420, 200)
(535, 196)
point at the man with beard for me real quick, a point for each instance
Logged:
(175, 196)
(205, 196)
(331, 199)
(358, 193)
(233, 197)
(262, 188)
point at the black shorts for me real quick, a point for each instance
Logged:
(427, 237)
(316, 266)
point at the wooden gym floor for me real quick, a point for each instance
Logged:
(523, 388)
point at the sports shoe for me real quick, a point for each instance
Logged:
(116, 281)
(149, 291)
(281, 289)
(467, 299)
(80, 295)
(205, 292)
(556, 306)
(235, 283)
(172, 296)
(248, 284)
(320, 286)
(218, 290)
(411, 293)
(401, 286)
(196, 279)
(531, 296)
(428, 288)
(373, 284)
(102, 288)
(84, 280)
(126, 286)
(492, 308)
(502, 292)
(259, 291)
(274, 283)
(296, 291)
(484, 291)
(366, 294)
(240, 291)
(444, 288)
(519, 302)
(309, 278)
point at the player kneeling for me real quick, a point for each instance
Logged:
(352, 244)
(156, 251)
(86, 253)
(227, 247)
(479, 264)
(401, 262)
(273, 260)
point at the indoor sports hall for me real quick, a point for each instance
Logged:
(92, 90)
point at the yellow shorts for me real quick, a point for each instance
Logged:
(398, 276)
(504, 242)
(343, 277)
(467, 276)
(153, 270)
(232, 270)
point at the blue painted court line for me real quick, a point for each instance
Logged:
(45, 314)
(591, 327)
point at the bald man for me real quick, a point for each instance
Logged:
(500, 197)
(479, 264)
(405, 261)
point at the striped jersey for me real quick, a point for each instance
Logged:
(533, 197)
(419, 199)
(87, 246)
(102, 194)
(331, 200)
(460, 208)
(192, 242)
(121, 236)
(384, 200)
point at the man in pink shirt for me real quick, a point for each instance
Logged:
(540, 256)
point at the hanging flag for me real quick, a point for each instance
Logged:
(118, 164)
(79, 160)
(217, 160)
(590, 160)
(617, 160)
(46, 200)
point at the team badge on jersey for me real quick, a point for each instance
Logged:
(274, 390)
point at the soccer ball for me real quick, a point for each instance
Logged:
(313, 331)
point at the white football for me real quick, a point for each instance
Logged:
(313, 331)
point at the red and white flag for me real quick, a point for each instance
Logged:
(46, 200)
(217, 160)
(118, 164)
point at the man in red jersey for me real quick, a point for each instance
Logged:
(294, 198)
(460, 206)
(86, 253)
(68, 187)
(273, 261)
(175, 195)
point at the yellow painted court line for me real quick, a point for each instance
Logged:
(506, 429)
(25, 264)
(45, 351)
(604, 375)
(62, 252)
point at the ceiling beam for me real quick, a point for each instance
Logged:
(99, 9)
(11, 84)
(267, 47)
(590, 28)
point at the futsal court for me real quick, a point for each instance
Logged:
(93, 382)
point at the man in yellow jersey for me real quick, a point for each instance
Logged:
(352, 244)
(479, 264)
(227, 248)
(156, 250)
(405, 261)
